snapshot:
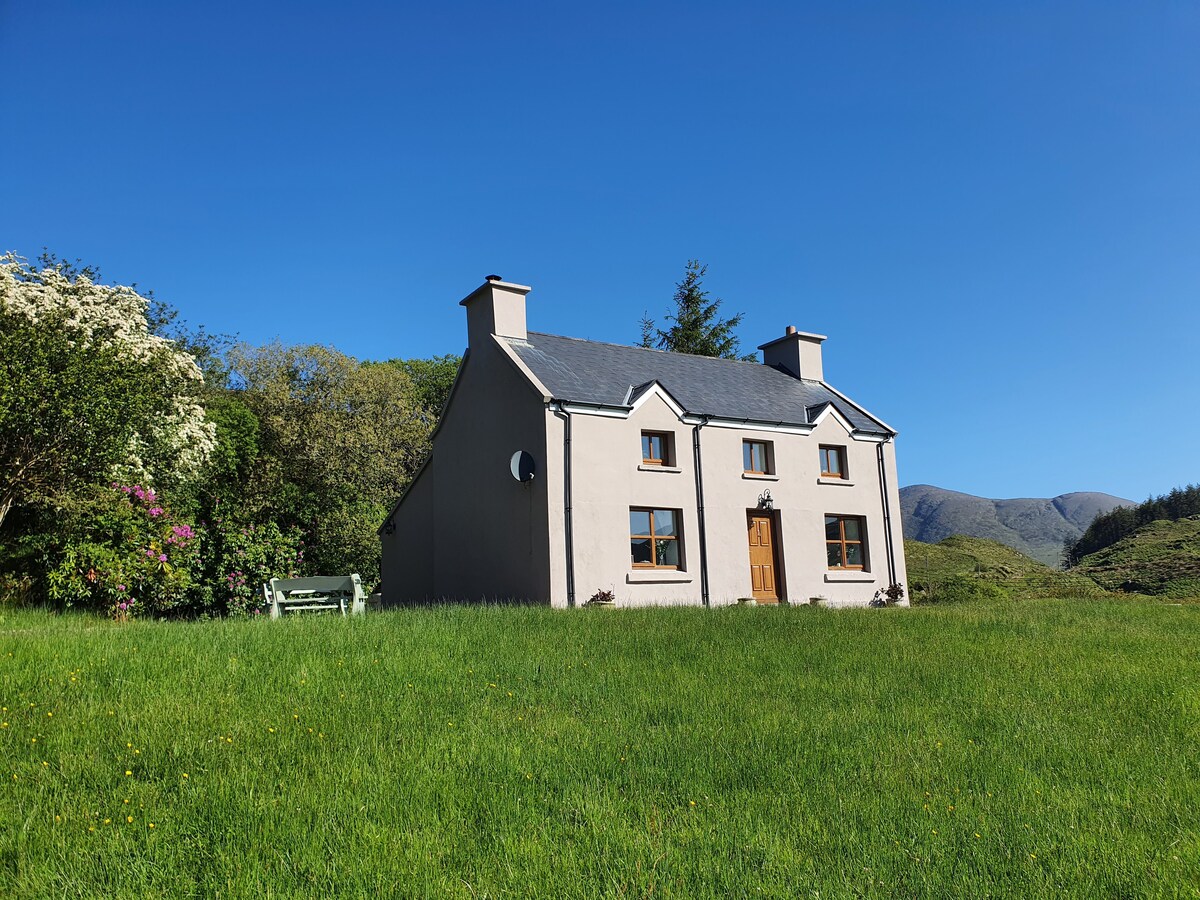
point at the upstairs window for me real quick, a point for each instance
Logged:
(654, 538)
(658, 448)
(758, 458)
(833, 462)
(844, 542)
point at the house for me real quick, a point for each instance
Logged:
(564, 467)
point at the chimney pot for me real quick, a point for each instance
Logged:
(493, 278)
(791, 329)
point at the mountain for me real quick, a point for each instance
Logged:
(1036, 527)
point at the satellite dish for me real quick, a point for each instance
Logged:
(522, 467)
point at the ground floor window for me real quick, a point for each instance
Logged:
(844, 542)
(654, 538)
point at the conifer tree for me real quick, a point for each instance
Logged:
(696, 326)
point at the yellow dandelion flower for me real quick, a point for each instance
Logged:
(129, 818)
(151, 824)
(127, 773)
(108, 821)
(185, 774)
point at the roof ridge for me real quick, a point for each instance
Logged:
(723, 359)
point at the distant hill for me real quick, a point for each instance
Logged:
(1159, 558)
(932, 566)
(1036, 527)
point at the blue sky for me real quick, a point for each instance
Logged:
(992, 209)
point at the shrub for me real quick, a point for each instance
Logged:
(241, 557)
(126, 555)
(962, 589)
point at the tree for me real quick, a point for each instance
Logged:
(330, 444)
(696, 326)
(432, 380)
(87, 392)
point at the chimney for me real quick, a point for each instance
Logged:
(798, 352)
(495, 307)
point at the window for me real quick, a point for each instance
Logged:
(658, 448)
(757, 458)
(844, 542)
(833, 462)
(654, 538)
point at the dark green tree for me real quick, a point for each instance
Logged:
(696, 326)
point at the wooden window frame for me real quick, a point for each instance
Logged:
(655, 539)
(768, 457)
(841, 455)
(842, 543)
(668, 449)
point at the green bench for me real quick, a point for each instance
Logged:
(321, 593)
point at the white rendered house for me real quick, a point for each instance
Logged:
(564, 467)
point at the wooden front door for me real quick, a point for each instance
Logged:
(764, 582)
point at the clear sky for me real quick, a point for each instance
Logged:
(992, 209)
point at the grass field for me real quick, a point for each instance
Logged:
(1038, 749)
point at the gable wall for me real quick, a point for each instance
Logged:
(485, 534)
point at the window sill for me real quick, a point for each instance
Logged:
(848, 575)
(658, 576)
(674, 470)
(842, 481)
(751, 476)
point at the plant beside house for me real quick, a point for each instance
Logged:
(888, 596)
(602, 598)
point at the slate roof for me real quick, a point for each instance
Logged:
(612, 375)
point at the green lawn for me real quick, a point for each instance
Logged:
(1038, 749)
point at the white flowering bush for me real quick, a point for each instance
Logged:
(83, 368)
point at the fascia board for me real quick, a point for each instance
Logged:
(832, 410)
(752, 425)
(861, 409)
(657, 390)
(593, 409)
(870, 437)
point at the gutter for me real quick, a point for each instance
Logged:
(559, 409)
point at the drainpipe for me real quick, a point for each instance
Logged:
(887, 512)
(700, 510)
(561, 412)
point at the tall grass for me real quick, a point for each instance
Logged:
(1035, 749)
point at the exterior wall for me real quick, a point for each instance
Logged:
(608, 479)
(407, 563)
(801, 500)
(489, 533)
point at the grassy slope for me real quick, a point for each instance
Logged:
(932, 564)
(1033, 749)
(1159, 558)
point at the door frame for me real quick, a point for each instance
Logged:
(772, 515)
